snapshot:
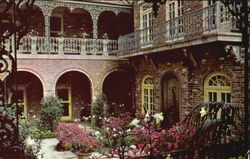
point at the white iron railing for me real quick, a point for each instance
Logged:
(61, 45)
(202, 21)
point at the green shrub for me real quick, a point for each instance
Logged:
(52, 112)
(99, 110)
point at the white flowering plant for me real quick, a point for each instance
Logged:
(149, 138)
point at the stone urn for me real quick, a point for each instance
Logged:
(83, 154)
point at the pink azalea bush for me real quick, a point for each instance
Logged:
(149, 138)
(116, 134)
(76, 137)
(180, 135)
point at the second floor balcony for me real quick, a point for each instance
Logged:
(206, 25)
(66, 46)
(70, 27)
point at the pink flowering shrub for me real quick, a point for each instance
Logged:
(149, 139)
(116, 134)
(76, 137)
(180, 135)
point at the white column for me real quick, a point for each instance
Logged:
(47, 10)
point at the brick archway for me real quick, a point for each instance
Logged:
(117, 88)
(74, 88)
(29, 91)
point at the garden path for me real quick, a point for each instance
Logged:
(49, 152)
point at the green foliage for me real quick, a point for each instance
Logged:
(99, 110)
(51, 114)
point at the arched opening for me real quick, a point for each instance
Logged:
(36, 22)
(29, 92)
(117, 88)
(35, 18)
(78, 24)
(57, 18)
(107, 26)
(125, 23)
(74, 89)
(170, 100)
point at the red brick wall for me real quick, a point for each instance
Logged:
(136, 17)
(50, 69)
(146, 67)
(161, 17)
(191, 78)
(190, 6)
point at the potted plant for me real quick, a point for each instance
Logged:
(86, 144)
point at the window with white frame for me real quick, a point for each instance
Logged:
(146, 22)
(147, 89)
(217, 88)
(174, 10)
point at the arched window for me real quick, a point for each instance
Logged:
(217, 88)
(147, 90)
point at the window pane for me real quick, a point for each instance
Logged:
(63, 94)
(210, 97)
(228, 98)
(215, 97)
(223, 97)
(65, 109)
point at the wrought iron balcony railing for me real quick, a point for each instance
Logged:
(62, 45)
(212, 19)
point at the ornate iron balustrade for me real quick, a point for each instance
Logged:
(207, 20)
(61, 45)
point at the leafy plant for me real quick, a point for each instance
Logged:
(99, 110)
(52, 112)
(32, 143)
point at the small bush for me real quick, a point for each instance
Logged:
(99, 110)
(51, 114)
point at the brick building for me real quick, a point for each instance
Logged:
(188, 54)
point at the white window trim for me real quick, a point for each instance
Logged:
(176, 9)
(207, 88)
(144, 12)
(148, 87)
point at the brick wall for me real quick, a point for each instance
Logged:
(136, 16)
(190, 6)
(191, 78)
(50, 70)
(147, 67)
(161, 17)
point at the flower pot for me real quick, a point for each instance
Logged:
(83, 155)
